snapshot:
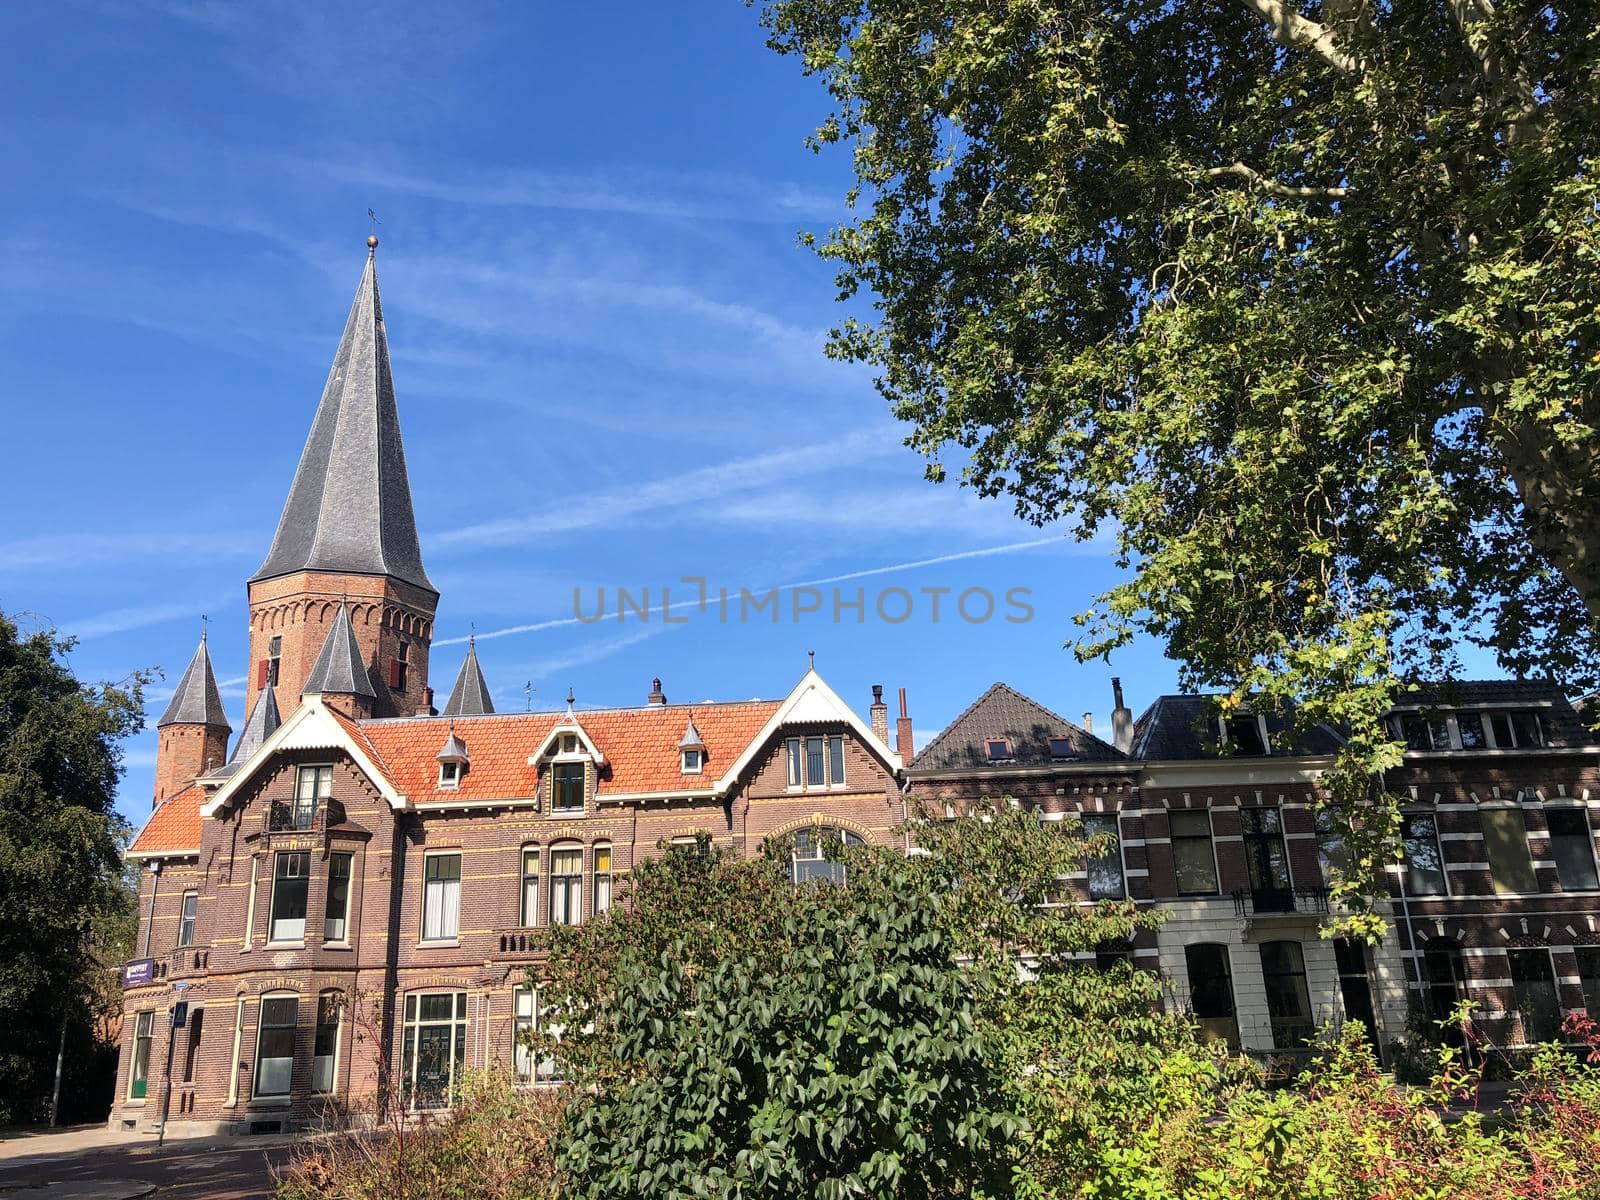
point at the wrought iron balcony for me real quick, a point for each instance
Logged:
(1267, 902)
(285, 817)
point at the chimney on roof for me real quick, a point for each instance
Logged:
(1088, 722)
(904, 744)
(880, 714)
(426, 708)
(656, 696)
(1121, 719)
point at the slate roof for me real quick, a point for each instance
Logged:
(174, 826)
(640, 746)
(196, 701)
(349, 507)
(339, 669)
(1563, 726)
(1004, 712)
(470, 695)
(258, 727)
(1183, 727)
(692, 737)
(454, 749)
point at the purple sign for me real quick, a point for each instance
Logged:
(139, 972)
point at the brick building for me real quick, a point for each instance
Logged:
(353, 843)
(1496, 900)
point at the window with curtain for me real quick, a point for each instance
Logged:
(566, 885)
(433, 1048)
(1505, 837)
(313, 786)
(275, 1044)
(1572, 848)
(1193, 856)
(139, 1067)
(1266, 859)
(522, 1009)
(602, 877)
(290, 879)
(441, 897)
(325, 1049)
(191, 902)
(809, 854)
(336, 912)
(528, 913)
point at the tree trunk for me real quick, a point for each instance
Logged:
(1559, 486)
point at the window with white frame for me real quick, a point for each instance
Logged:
(336, 909)
(816, 761)
(1194, 858)
(433, 1047)
(275, 1044)
(313, 786)
(814, 853)
(441, 897)
(1572, 848)
(566, 885)
(449, 774)
(1247, 735)
(290, 883)
(523, 1001)
(325, 1047)
(1419, 840)
(1104, 865)
(1516, 729)
(694, 761)
(1505, 842)
(602, 877)
(567, 786)
(528, 911)
(191, 902)
(139, 1065)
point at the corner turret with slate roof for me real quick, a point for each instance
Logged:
(347, 534)
(470, 696)
(339, 674)
(192, 734)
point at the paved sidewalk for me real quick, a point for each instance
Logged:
(90, 1162)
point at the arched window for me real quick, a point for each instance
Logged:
(812, 850)
(275, 1032)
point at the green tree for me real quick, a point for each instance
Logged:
(65, 908)
(1300, 305)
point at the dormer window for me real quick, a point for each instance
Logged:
(453, 761)
(449, 774)
(1061, 749)
(694, 761)
(1247, 736)
(998, 749)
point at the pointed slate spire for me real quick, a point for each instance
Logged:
(470, 696)
(349, 507)
(691, 739)
(196, 702)
(261, 724)
(339, 670)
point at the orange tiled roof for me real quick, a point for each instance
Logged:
(174, 826)
(640, 746)
(359, 737)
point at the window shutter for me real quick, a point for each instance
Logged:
(261, 673)
(394, 672)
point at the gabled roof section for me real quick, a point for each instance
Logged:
(173, 830)
(349, 507)
(470, 696)
(640, 746)
(339, 670)
(196, 700)
(1185, 727)
(261, 724)
(568, 724)
(812, 702)
(1004, 712)
(313, 726)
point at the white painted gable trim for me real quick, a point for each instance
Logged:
(567, 726)
(811, 702)
(310, 727)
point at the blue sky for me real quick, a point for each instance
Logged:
(607, 350)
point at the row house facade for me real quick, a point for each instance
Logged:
(1494, 901)
(355, 848)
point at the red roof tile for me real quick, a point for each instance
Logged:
(640, 747)
(174, 826)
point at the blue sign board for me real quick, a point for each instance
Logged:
(139, 972)
(180, 1014)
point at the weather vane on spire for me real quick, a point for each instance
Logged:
(372, 238)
